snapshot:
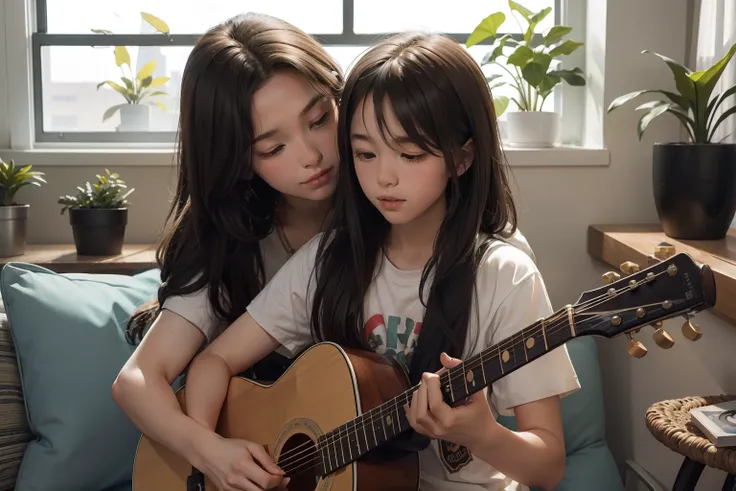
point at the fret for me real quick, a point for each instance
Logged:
(373, 427)
(352, 438)
(324, 451)
(332, 450)
(340, 448)
(544, 333)
(483, 369)
(323, 455)
(534, 342)
(474, 375)
(344, 445)
(361, 431)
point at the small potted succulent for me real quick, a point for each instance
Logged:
(98, 214)
(14, 216)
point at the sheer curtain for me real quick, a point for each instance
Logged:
(715, 21)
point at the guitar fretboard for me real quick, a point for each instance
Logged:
(375, 427)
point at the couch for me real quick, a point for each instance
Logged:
(62, 344)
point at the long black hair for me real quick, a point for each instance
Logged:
(221, 208)
(442, 101)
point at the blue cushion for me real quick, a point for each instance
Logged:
(590, 464)
(68, 332)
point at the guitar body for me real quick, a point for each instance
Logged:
(325, 387)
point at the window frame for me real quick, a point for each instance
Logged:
(567, 102)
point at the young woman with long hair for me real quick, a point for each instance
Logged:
(257, 163)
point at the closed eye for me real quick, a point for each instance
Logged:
(322, 120)
(413, 157)
(274, 152)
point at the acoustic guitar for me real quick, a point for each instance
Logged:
(326, 419)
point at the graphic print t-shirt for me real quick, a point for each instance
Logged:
(510, 296)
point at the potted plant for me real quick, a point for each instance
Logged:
(135, 88)
(14, 216)
(534, 72)
(98, 215)
(694, 181)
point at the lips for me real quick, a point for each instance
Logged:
(390, 199)
(316, 177)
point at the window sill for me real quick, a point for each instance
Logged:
(563, 156)
(155, 157)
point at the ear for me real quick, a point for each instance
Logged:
(465, 157)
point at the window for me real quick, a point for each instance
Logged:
(73, 51)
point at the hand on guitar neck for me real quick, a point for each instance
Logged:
(464, 424)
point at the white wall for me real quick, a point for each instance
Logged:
(556, 203)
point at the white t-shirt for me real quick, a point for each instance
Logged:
(196, 307)
(511, 295)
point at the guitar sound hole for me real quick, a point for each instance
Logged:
(300, 459)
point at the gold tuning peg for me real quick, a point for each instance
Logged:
(635, 348)
(691, 330)
(662, 337)
(610, 277)
(629, 267)
(664, 250)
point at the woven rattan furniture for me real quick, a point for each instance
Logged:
(669, 422)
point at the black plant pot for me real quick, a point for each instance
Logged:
(695, 189)
(98, 232)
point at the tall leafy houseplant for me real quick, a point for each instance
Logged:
(98, 214)
(531, 67)
(14, 216)
(695, 180)
(136, 88)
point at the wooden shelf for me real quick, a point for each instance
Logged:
(616, 244)
(63, 258)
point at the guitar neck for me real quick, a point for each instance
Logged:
(373, 428)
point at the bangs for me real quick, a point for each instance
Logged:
(402, 86)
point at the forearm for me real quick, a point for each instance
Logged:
(543, 461)
(151, 405)
(207, 382)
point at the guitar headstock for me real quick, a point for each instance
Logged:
(670, 287)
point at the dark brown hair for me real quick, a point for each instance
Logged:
(221, 208)
(442, 100)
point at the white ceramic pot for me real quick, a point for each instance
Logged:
(532, 129)
(134, 117)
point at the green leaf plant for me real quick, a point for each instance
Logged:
(692, 104)
(12, 178)
(107, 193)
(533, 68)
(135, 88)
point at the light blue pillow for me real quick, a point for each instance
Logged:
(590, 464)
(68, 331)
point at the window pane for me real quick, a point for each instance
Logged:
(72, 103)
(457, 16)
(185, 16)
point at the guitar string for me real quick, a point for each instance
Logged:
(391, 406)
(559, 322)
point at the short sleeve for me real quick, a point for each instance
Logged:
(196, 308)
(283, 307)
(520, 300)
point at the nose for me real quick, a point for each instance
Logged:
(311, 153)
(387, 176)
